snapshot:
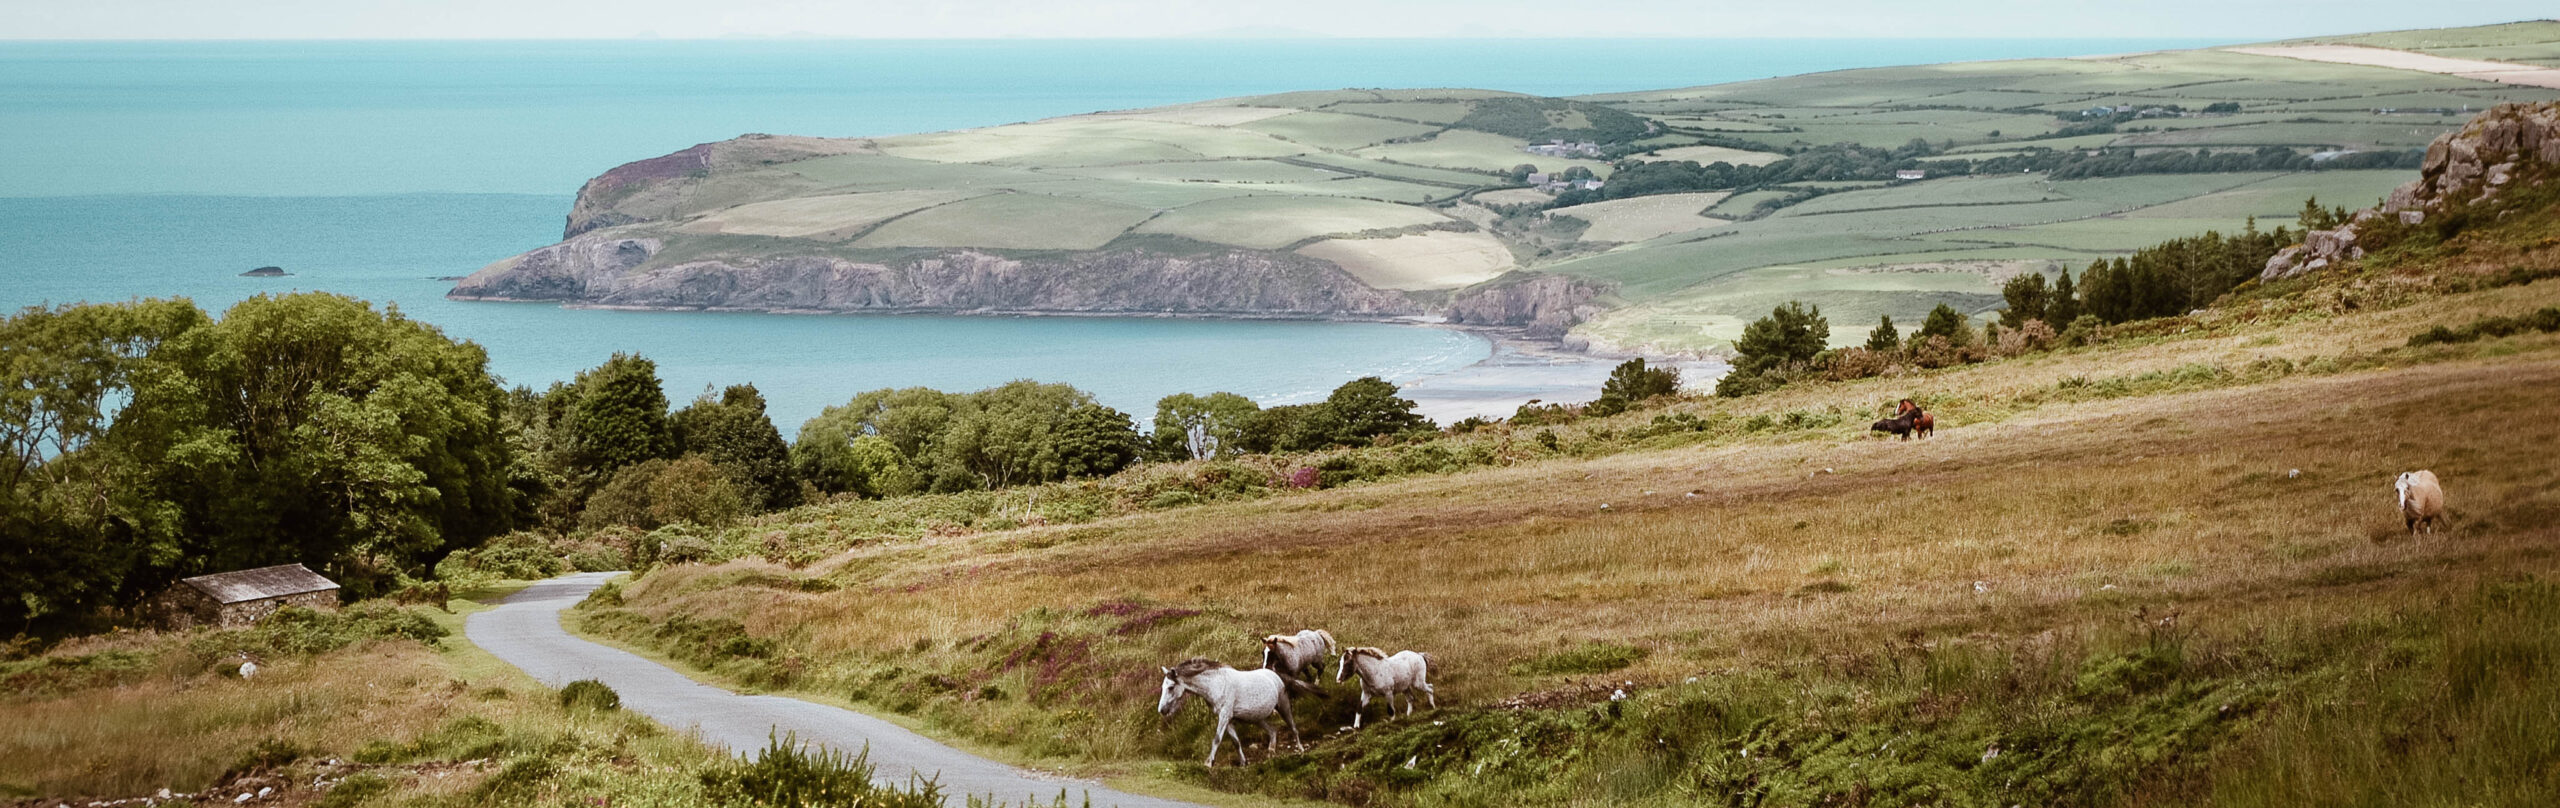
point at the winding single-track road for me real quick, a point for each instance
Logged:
(524, 630)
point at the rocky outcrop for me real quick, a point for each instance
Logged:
(1544, 306)
(2505, 145)
(608, 268)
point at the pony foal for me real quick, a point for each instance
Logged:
(1300, 655)
(1254, 695)
(1386, 677)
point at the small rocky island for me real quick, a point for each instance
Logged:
(265, 272)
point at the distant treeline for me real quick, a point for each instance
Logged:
(1852, 162)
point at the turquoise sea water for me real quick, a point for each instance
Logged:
(370, 168)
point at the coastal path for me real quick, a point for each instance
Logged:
(524, 630)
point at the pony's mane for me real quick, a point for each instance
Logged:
(1288, 641)
(1366, 651)
(1196, 666)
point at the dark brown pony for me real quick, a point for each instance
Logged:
(1920, 421)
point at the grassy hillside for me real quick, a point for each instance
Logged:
(1874, 249)
(2166, 569)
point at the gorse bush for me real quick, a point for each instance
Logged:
(590, 694)
(2546, 320)
(788, 774)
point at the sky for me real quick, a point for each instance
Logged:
(969, 19)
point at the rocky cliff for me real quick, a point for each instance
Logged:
(610, 269)
(2465, 170)
(1544, 306)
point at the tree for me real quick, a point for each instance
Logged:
(657, 492)
(1791, 333)
(1632, 382)
(2063, 305)
(733, 433)
(1366, 408)
(2027, 297)
(312, 428)
(1945, 321)
(617, 416)
(1884, 339)
(71, 508)
(902, 421)
(1274, 429)
(1190, 427)
(1096, 441)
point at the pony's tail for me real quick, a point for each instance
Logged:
(1299, 686)
(1329, 645)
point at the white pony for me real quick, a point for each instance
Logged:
(1254, 695)
(1300, 655)
(1386, 677)
(2421, 501)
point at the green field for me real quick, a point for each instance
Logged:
(1032, 222)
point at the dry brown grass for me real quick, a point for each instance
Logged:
(2070, 514)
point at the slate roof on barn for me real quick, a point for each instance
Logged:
(260, 584)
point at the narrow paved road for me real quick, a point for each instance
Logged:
(525, 631)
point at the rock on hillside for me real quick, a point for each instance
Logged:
(2510, 143)
(610, 269)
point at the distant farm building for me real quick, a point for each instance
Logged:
(235, 599)
(1910, 174)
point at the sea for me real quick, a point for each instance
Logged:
(377, 169)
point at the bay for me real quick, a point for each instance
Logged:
(153, 169)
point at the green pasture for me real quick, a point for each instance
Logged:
(1424, 111)
(1422, 174)
(832, 216)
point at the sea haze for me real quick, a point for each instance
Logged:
(369, 168)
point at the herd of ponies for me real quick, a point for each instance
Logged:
(1296, 661)
(1291, 662)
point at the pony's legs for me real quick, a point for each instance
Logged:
(1272, 745)
(1239, 739)
(1219, 735)
(1356, 715)
(1291, 715)
(1434, 697)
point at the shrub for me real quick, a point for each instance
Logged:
(787, 774)
(519, 555)
(2546, 319)
(590, 694)
(354, 791)
(1591, 657)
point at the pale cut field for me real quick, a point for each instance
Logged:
(1272, 222)
(1645, 217)
(1482, 151)
(1707, 155)
(1335, 131)
(1424, 111)
(1194, 115)
(834, 216)
(2500, 72)
(1089, 141)
(1012, 221)
(1434, 260)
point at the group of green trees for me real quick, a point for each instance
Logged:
(602, 449)
(892, 442)
(148, 441)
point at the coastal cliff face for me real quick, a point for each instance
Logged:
(1544, 306)
(2507, 145)
(602, 268)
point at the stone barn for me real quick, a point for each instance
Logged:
(235, 599)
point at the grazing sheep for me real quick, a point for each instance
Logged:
(2421, 501)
